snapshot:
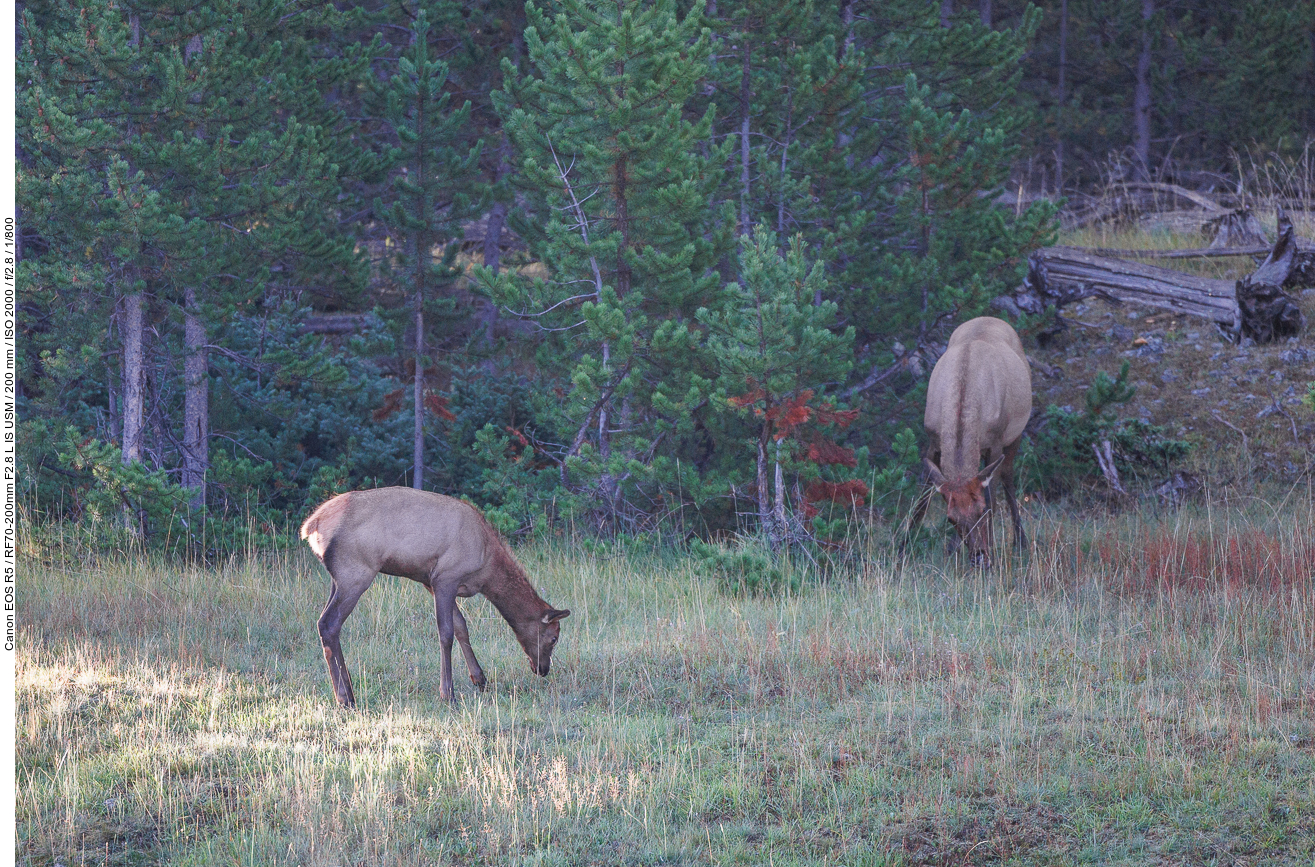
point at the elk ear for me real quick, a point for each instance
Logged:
(933, 472)
(988, 473)
(552, 615)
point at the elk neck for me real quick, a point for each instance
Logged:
(510, 590)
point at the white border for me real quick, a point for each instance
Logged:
(8, 425)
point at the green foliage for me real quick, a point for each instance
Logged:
(750, 568)
(774, 349)
(278, 169)
(620, 210)
(895, 486)
(1216, 70)
(1061, 452)
(115, 505)
(517, 497)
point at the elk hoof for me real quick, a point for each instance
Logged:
(480, 682)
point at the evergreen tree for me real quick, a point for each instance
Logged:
(431, 189)
(164, 159)
(776, 349)
(789, 89)
(950, 133)
(620, 214)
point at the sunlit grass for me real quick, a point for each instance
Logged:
(1063, 709)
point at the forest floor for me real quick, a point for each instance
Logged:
(1240, 405)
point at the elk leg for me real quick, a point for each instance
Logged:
(445, 602)
(1006, 474)
(343, 596)
(463, 639)
(919, 509)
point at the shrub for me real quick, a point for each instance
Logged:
(1061, 453)
(750, 569)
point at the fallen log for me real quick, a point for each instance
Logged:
(1254, 306)
(1194, 253)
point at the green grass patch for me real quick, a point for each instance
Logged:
(1072, 707)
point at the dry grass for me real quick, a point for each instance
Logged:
(1081, 706)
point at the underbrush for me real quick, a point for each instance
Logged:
(1139, 688)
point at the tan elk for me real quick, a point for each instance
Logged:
(442, 543)
(978, 402)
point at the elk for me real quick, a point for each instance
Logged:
(979, 399)
(439, 542)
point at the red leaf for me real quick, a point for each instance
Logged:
(842, 418)
(392, 403)
(790, 414)
(850, 493)
(437, 404)
(743, 400)
(824, 452)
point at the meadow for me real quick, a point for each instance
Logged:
(1138, 689)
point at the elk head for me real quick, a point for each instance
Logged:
(539, 637)
(967, 507)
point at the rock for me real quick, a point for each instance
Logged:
(1299, 355)
(1178, 488)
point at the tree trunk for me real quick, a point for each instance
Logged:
(984, 10)
(765, 516)
(779, 523)
(418, 445)
(947, 12)
(134, 378)
(1063, 96)
(847, 23)
(1141, 104)
(196, 401)
(745, 112)
(497, 220)
(134, 398)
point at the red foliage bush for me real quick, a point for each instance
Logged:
(1251, 559)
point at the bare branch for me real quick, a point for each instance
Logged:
(579, 215)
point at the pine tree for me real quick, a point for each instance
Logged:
(432, 187)
(164, 159)
(950, 133)
(776, 350)
(620, 215)
(789, 89)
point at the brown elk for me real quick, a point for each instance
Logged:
(978, 402)
(440, 542)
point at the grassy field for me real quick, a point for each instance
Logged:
(1139, 690)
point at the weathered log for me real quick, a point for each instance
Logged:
(1254, 306)
(1193, 253)
(1234, 229)
(1058, 276)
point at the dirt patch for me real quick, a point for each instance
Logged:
(1229, 399)
(992, 833)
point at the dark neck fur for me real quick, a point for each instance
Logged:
(510, 591)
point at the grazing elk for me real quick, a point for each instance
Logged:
(442, 543)
(978, 402)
